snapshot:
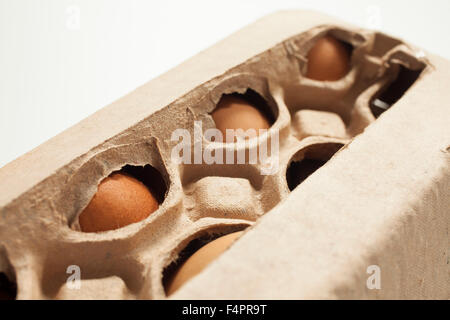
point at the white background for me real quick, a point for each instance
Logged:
(61, 60)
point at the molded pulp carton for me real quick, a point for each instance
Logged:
(379, 204)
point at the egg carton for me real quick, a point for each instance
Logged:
(299, 241)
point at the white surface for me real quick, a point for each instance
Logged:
(62, 60)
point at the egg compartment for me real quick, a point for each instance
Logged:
(8, 288)
(194, 243)
(399, 69)
(89, 251)
(299, 46)
(177, 250)
(373, 61)
(309, 159)
(391, 93)
(8, 285)
(133, 259)
(331, 96)
(255, 88)
(240, 182)
(140, 160)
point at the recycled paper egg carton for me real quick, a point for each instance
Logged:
(382, 200)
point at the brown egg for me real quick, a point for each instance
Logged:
(328, 60)
(119, 201)
(233, 112)
(199, 260)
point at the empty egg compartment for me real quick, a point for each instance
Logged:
(399, 69)
(395, 88)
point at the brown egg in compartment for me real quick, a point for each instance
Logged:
(199, 260)
(120, 200)
(328, 60)
(235, 112)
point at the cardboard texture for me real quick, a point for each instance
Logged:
(382, 200)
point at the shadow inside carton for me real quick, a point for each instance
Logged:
(255, 99)
(307, 161)
(388, 96)
(8, 288)
(150, 177)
